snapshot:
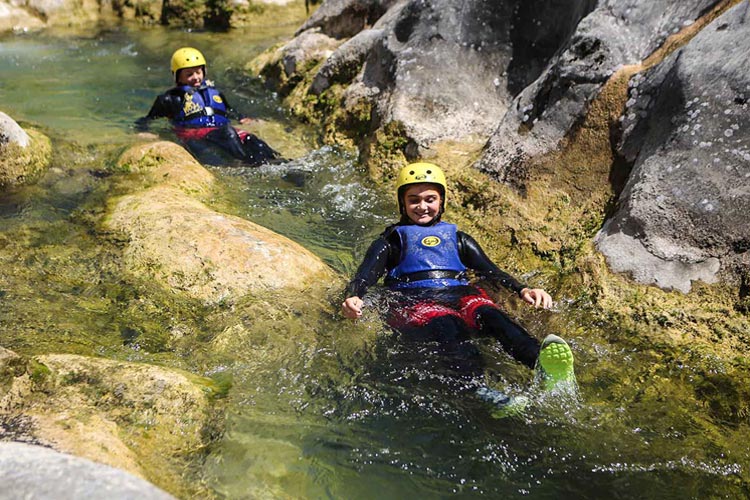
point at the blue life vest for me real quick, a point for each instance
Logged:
(429, 258)
(201, 107)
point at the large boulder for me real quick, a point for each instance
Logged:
(28, 471)
(683, 213)
(519, 72)
(185, 245)
(139, 418)
(175, 239)
(24, 154)
(576, 57)
(437, 70)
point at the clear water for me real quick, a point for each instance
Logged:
(322, 408)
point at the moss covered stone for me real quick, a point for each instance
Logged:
(23, 165)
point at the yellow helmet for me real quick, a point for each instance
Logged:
(187, 57)
(418, 173)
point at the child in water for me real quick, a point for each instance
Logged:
(425, 261)
(201, 114)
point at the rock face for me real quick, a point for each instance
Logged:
(24, 155)
(524, 75)
(132, 416)
(684, 209)
(592, 46)
(453, 70)
(180, 242)
(28, 471)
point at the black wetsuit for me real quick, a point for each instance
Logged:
(449, 313)
(197, 134)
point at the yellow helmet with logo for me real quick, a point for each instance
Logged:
(419, 173)
(187, 57)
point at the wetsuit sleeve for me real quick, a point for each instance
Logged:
(378, 259)
(165, 106)
(474, 258)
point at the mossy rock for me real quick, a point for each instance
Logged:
(163, 163)
(148, 420)
(24, 165)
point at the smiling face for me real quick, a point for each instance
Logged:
(422, 203)
(192, 77)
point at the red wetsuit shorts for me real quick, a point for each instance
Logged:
(422, 312)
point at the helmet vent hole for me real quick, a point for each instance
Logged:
(429, 171)
(411, 172)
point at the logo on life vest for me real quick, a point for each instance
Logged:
(216, 98)
(430, 241)
(190, 106)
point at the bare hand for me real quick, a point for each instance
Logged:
(246, 120)
(147, 135)
(352, 307)
(536, 297)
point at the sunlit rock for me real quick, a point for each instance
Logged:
(68, 12)
(176, 239)
(189, 247)
(15, 18)
(28, 471)
(132, 416)
(24, 154)
(165, 163)
(683, 213)
(282, 68)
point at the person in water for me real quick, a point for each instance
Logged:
(425, 261)
(201, 114)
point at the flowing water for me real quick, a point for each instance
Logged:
(322, 408)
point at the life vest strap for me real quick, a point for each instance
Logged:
(428, 275)
(207, 111)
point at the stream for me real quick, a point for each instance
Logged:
(322, 408)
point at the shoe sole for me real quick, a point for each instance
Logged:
(556, 361)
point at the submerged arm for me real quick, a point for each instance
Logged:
(373, 266)
(165, 106)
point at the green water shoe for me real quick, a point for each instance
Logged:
(555, 365)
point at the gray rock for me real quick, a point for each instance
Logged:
(684, 208)
(590, 49)
(346, 18)
(11, 132)
(310, 47)
(28, 471)
(437, 69)
(346, 61)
